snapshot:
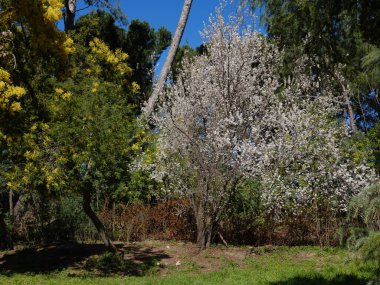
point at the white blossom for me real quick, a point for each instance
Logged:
(228, 117)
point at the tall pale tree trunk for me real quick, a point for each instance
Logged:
(351, 113)
(70, 10)
(170, 57)
(346, 94)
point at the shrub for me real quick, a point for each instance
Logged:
(366, 207)
(368, 250)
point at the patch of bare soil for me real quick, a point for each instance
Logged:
(165, 257)
(304, 255)
(187, 256)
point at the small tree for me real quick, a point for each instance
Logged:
(228, 117)
(88, 143)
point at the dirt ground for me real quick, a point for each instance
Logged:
(187, 256)
(167, 257)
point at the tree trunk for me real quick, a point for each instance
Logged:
(17, 208)
(204, 229)
(201, 240)
(351, 114)
(70, 10)
(204, 234)
(346, 94)
(201, 237)
(11, 208)
(5, 237)
(169, 59)
(95, 220)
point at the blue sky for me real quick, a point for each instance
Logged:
(167, 12)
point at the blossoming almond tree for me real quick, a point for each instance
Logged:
(228, 117)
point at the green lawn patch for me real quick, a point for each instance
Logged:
(261, 266)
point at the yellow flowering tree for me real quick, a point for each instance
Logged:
(10, 105)
(30, 42)
(69, 122)
(10, 95)
(92, 133)
(37, 19)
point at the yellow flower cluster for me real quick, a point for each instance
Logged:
(9, 93)
(38, 168)
(117, 60)
(135, 88)
(95, 87)
(40, 16)
(136, 146)
(65, 95)
(52, 10)
(68, 45)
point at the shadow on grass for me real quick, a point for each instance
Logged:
(58, 257)
(339, 279)
(136, 261)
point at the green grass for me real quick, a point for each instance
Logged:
(280, 266)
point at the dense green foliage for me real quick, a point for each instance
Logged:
(333, 34)
(339, 35)
(142, 43)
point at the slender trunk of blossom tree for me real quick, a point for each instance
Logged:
(204, 227)
(204, 233)
(208, 209)
(170, 57)
(96, 221)
(70, 10)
